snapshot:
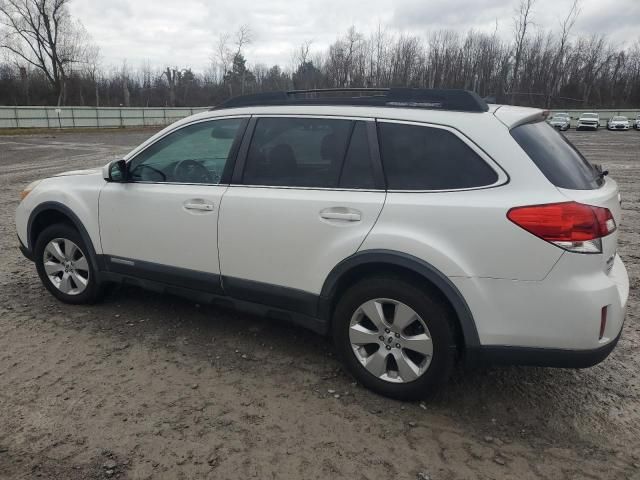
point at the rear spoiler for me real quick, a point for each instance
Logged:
(514, 116)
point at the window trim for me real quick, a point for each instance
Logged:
(225, 179)
(503, 177)
(374, 153)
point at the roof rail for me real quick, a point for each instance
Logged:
(436, 99)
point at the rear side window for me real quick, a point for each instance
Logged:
(556, 157)
(297, 152)
(425, 158)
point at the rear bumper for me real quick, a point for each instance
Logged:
(553, 322)
(544, 357)
(24, 250)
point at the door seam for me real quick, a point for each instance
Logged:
(384, 201)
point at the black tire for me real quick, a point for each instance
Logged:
(427, 305)
(93, 290)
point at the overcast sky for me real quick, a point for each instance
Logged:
(184, 33)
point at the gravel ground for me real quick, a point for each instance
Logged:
(150, 386)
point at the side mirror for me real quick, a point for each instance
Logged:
(115, 171)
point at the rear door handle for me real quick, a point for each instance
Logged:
(202, 206)
(342, 214)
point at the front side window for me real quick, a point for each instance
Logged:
(297, 152)
(417, 157)
(196, 153)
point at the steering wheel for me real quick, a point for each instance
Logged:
(191, 171)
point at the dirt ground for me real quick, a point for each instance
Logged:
(150, 386)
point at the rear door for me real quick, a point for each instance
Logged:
(305, 195)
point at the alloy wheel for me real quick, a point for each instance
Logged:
(390, 340)
(66, 266)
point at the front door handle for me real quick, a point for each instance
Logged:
(341, 213)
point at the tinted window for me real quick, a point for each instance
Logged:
(556, 157)
(424, 158)
(197, 153)
(357, 171)
(297, 152)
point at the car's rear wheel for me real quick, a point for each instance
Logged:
(394, 337)
(64, 265)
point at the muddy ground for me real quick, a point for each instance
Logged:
(149, 386)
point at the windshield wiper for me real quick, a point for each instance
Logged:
(599, 172)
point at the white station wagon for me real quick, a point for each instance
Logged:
(417, 227)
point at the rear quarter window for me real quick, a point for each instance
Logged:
(417, 157)
(556, 157)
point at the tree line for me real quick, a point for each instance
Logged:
(50, 60)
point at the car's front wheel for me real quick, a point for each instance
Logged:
(394, 337)
(64, 265)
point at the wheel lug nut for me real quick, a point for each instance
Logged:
(381, 338)
(387, 330)
(388, 347)
(397, 345)
(397, 335)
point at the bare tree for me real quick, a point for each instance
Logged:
(92, 69)
(223, 53)
(522, 21)
(300, 54)
(172, 77)
(244, 37)
(43, 34)
(126, 94)
(559, 59)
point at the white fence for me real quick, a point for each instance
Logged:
(116, 117)
(91, 117)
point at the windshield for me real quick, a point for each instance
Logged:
(556, 157)
(620, 118)
(559, 117)
(590, 115)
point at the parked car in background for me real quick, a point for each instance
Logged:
(561, 121)
(618, 123)
(589, 121)
(417, 227)
(636, 124)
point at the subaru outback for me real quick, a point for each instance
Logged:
(416, 227)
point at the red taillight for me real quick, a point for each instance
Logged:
(569, 225)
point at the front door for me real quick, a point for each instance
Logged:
(162, 224)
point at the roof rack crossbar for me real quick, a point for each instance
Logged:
(439, 99)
